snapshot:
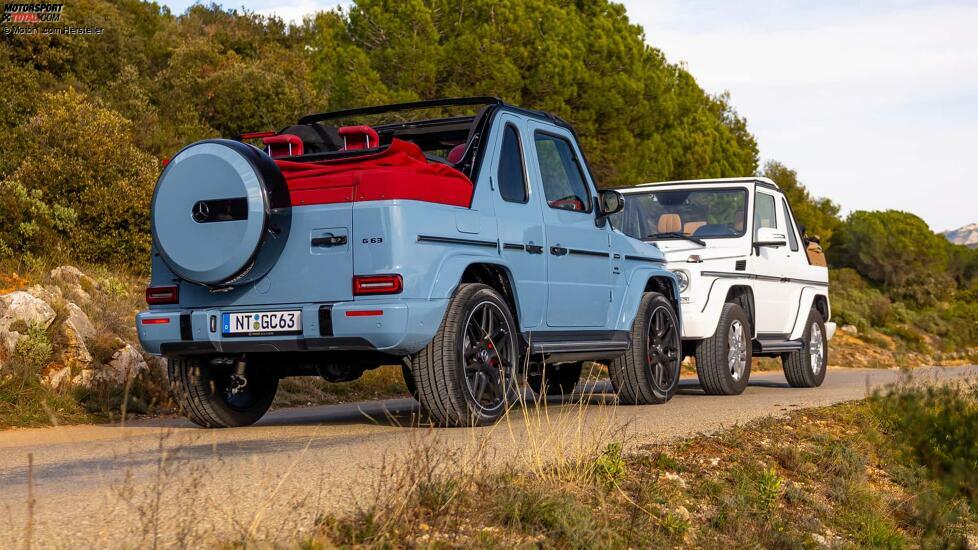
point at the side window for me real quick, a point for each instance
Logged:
(510, 174)
(792, 234)
(563, 181)
(765, 214)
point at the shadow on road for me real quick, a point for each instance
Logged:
(406, 413)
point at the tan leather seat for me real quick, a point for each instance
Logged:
(690, 227)
(669, 223)
(739, 221)
(816, 256)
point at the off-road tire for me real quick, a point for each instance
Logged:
(439, 371)
(712, 366)
(798, 368)
(556, 379)
(197, 388)
(631, 374)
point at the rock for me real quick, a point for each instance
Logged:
(82, 324)
(849, 329)
(74, 282)
(820, 540)
(71, 276)
(125, 364)
(675, 477)
(49, 294)
(74, 353)
(683, 514)
(57, 376)
(23, 309)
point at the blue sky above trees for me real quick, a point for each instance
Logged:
(874, 103)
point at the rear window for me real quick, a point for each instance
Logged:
(511, 176)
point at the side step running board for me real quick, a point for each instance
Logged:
(577, 341)
(568, 347)
(777, 346)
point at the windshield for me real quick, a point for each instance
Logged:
(673, 214)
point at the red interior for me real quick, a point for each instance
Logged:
(399, 171)
(359, 137)
(284, 145)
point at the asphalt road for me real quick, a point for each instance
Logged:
(163, 480)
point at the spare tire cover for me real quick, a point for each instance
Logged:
(220, 213)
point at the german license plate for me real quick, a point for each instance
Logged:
(262, 323)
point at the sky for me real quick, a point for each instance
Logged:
(874, 103)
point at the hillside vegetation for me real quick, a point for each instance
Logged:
(87, 121)
(895, 283)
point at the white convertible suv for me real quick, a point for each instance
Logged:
(751, 283)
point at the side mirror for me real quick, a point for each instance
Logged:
(610, 202)
(770, 236)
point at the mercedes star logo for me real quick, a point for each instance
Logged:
(200, 212)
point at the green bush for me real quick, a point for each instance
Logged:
(34, 349)
(79, 158)
(937, 429)
(891, 248)
(29, 225)
(610, 467)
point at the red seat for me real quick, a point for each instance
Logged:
(456, 154)
(284, 145)
(359, 137)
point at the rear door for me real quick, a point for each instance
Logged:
(799, 272)
(578, 259)
(772, 293)
(519, 218)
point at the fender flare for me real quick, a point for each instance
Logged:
(637, 282)
(806, 301)
(715, 299)
(449, 273)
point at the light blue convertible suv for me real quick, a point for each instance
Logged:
(473, 249)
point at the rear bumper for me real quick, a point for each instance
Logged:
(399, 328)
(829, 330)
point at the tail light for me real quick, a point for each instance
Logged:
(160, 295)
(156, 321)
(364, 285)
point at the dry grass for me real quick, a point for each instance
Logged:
(826, 477)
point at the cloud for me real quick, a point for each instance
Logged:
(874, 104)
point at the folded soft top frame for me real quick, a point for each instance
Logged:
(479, 100)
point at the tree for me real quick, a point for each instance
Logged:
(78, 158)
(897, 250)
(639, 118)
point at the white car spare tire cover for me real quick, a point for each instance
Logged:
(221, 213)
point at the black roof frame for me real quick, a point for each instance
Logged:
(414, 105)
